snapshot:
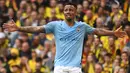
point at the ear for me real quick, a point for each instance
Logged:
(75, 12)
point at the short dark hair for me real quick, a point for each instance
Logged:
(108, 54)
(70, 3)
(38, 59)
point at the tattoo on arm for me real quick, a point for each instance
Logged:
(99, 30)
(31, 29)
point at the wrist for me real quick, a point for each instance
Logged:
(113, 33)
(18, 28)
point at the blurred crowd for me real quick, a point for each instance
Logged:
(22, 52)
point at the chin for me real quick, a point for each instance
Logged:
(69, 19)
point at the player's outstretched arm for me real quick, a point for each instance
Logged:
(11, 27)
(32, 29)
(103, 32)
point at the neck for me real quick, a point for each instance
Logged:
(70, 22)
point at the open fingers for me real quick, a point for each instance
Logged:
(6, 25)
(118, 29)
(122, 34)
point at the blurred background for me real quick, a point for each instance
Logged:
(34, 52)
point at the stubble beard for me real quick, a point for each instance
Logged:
(69, 19)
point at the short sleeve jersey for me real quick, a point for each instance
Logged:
(69, 41)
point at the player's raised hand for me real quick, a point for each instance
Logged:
(10, 26)
(119, 33)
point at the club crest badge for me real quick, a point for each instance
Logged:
(78, 29)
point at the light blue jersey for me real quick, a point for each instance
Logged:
(69, 41)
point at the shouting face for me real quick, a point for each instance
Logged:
(69, 12)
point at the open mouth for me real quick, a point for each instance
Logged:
(68, 15)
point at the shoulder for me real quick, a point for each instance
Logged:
(55, 22)
(82, 23)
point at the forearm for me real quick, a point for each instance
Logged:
(31, 29)
(103, 32)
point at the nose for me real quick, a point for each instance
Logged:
(68, 11)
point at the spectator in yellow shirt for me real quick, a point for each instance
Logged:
(108, 63)
(3, 44)
(60, 14)
(53, 5)
(90, 64)
(98, 68)
(19, 16)
(126, 8)
(22, 6)
(24, 65)
(15, 59)
(125, 60)
(94, 6)
(12, 3)
(41, 16)
(32, 61)
(89, 18)
(16, 69)
(53, 16)
(40, 68)
(116, 11)
(96, 47)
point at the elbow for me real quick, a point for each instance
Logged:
(97, 32)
